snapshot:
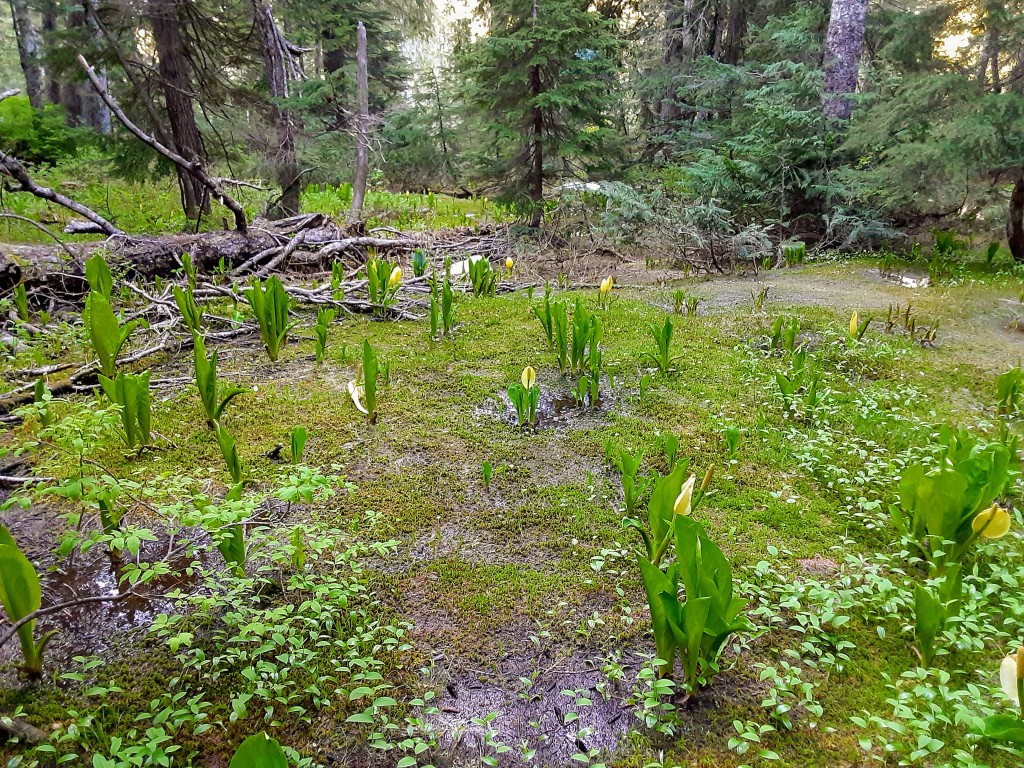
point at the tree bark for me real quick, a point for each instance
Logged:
(276, 59)
(362, 127)
(842, 55)
(176, 83)
(1015, 220)
(29, 51)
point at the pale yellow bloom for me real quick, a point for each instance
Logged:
(396, 277)
(1010, 672)
(509, 263)
(529, 377)
(992, 523)
(854, 324)
(606, 285)
(683, 505)
(355, 391)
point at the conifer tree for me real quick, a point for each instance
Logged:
(543, 80)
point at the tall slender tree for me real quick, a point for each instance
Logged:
(542, 80)
(29, 51)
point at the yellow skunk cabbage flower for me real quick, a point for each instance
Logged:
(992, 523)
(854, 324)
(396, 277)
(685, 497)
(1011, 675)
(509, 263)
(529, 377)
(606, 285)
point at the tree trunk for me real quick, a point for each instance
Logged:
(49, 29)
(172, 60)
(1015, 220)
(276, 59)
(29, 51)
(537, 171)
(842, 55)
(362, 127)
(97, 113)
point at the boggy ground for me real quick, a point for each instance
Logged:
(527, 617)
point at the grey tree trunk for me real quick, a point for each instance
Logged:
(29, 51)
(842, 55)
(362, 127)
(277, 59)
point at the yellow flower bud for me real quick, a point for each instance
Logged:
(396, 277)
(529, 377)
(685, 497)
(854, 325)
(992, 523)
(509, 263)
(606, 285)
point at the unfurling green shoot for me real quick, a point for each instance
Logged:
(794, 253)
(442, 307)
(586, 335)
(758, 298)
(1010, 392)
(447, 307)
(732, 441)
(784, 333)
(21, 595)
(482, 277)
(663, 339)
(419, 263)
(259, 751)
(105, 333)
(669, 445)
(21, 302)
(297, 439)
(991, 251)
(131, 392)
(206, 381)
(544, 314)
(337, 277)
(561, 330)
(324, 317)
(487, 470)
(191, 312)
(633, 488)
(525, 397)
(269, 302)
(229, 450)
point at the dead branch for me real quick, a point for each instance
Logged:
(8, 94)
(193, 167)
(19, 729)
(46, 230)
(12, 167)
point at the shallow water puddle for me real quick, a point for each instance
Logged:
(555, 710)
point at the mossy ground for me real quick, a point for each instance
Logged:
(499, 582)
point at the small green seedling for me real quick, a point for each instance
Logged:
(419, 263)
(759, 298)
(482, 277)
(732, 441)
(297, 439)
(663, 339)
(41, 396)
(191, 312)
(487, 470)
(270, 303)
(21, 302)
(324, 318)
(131, 392)
(207, 383)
